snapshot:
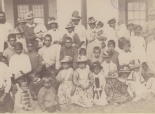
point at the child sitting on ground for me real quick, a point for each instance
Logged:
(116, 90)
(99, 95)
(47, 97)
(35, 85)
(23, 99)
(66, 88)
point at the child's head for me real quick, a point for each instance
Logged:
(112, 23)
(137, 30)
(23, 85)
(96, 68)
(34, 77)
(66, 62)
(97, 52)
(68, 42)
(18, 48)
(47, 81)
(111, 45)
(48, 40)
(126, 46)
(70, 27)
(99, 25)
(82, 62)
(82, 52)
(145, 66)
(124, 72)
(92, 22)
(30, 46)
(4, 60)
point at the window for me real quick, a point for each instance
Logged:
(137, 12)
(22, 9)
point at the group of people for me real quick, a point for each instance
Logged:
(82, 67)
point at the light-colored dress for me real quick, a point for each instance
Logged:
(139, 88)
(138, 47)
(151, 85)
(66, 85)
(82, 97)
(99, 95)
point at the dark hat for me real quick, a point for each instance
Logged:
(112, 21)
(52, 20)
(96, 64)
(75, 15)
(91, 20)
(100, 23)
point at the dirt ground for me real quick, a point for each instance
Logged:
(143, 106)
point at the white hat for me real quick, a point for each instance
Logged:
(29, 15)
(82, 59)
(134, 64)
(52, 20)
(66, 59)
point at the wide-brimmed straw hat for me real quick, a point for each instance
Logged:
(82, 59)
(20, 20)
(130, 23)
(75, 15)
(70, 25)
(66, 59)
(114, 75)
(29, 15)
(138, 28)
(151, 11)
(91, 20)
(134, 64)
(52, 20)
(125, 69)
(111, 21)
(96, 64)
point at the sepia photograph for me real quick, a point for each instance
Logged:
(77, 56)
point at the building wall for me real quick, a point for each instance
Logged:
(8, 4)
(52, 8)
(0, 5)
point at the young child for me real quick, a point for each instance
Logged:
(138, 44)
(125, 56)
(47, 97)
(66, 88)
(82, 52)
(99, 95)
(116, 90)
(83, 82)
(23, 99)
(96, 56)
(139, 91)
(109, 67)
(35, 85)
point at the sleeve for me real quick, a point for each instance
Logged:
(18, 100)
(61, 54)
(38, 69)
(63, 39)
(41, 99)
(27, 36)
(58, 77)
(91, 78)
(8, 80)
(71, 76)
(5, 54)
(149, 84)
(57, 53)
(76, 78)
(28, 66)
(11, 65)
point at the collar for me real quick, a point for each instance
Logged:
(33, 25)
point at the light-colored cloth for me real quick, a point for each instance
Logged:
(23, 100)
(108, 67)
(47, 97)
(9, 52)
(23, 42)
(64, 92)
(138, 47)
(80, 30)
(5, 30)
(151, 85)
(129, 34)
(20, 63)
(82, 97)
(5, 78)
(93, 59)
(50, 55)
(151, 56)
(55, 35)
(121, 31)
(99, 89)
(125, 57)
(112, 35)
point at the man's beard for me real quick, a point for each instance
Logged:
(2, 21)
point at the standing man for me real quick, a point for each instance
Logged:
(149, 27)
(79, 29)
(5, 29)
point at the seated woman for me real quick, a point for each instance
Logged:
(83, 81)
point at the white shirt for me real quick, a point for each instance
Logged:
(55, 35)
(20, 63)
(108, 67)
(51, 55)
(5, 30)
(121, 31)
(151, 84)
(5, 77)
(125, 57)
